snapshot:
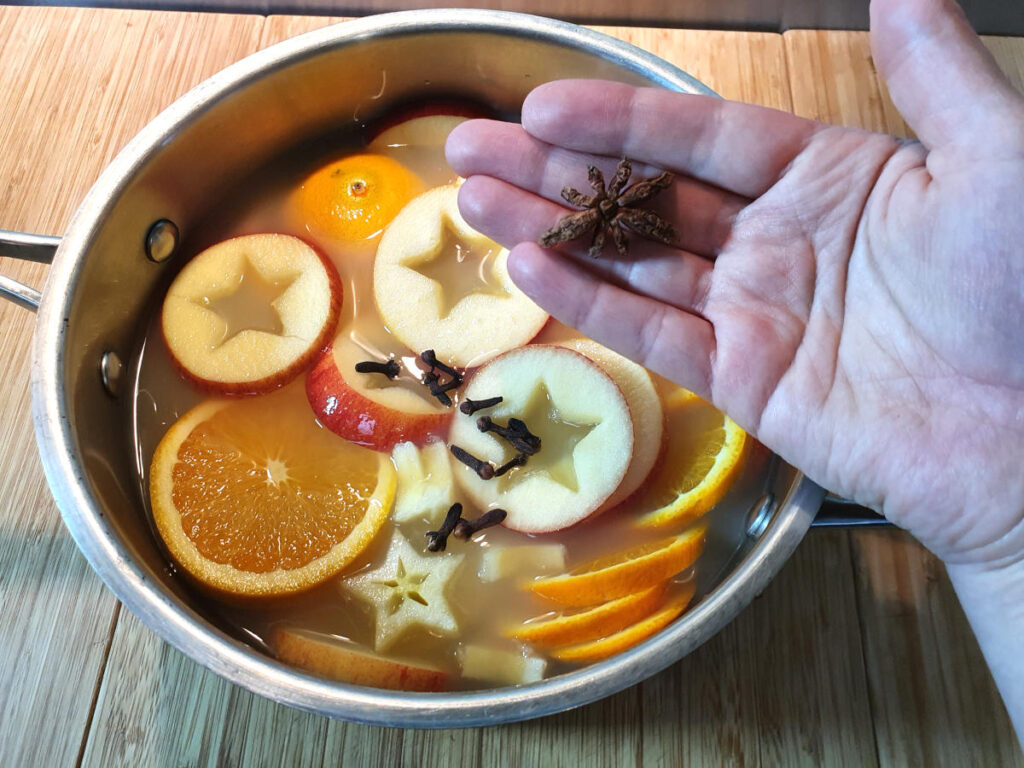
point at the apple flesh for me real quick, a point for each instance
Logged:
(441, 285)
(644, 406)
(426, 124)
(325, 656)
(249, 314)
(364, 408)
(586, 434)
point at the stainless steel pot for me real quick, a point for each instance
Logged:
(121, 241)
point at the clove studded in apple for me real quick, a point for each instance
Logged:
(585, 436)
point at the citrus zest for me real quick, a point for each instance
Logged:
(355, 198)
(627, 638)
(591, 623)
(701, 458)
(624, 573)
(253, 498)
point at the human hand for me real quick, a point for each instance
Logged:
(854, 301)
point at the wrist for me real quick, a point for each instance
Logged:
(992, 596)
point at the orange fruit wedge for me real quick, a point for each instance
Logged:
(702, 455)
(252, 497)
(355, 198)
(591, 623)
(627, 638)
(624, 573)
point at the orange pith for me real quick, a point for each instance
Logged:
(591, 623)
(702, 455)
(624, 573)
(355, 198)
(627, 638)
(252, 497)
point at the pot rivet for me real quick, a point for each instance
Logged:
(760, 515)
(162, 240)
(111, 371)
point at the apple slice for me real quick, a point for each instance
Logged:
(585, 431)
(644, 406)
(336, 659)
(426, 124)
(247, 315)
(441, 285)
(425, 487)
(370, 409)
(503, 561)
(503, 667)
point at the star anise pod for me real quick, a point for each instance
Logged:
(612, 211)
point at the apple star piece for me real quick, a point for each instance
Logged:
(407, 591)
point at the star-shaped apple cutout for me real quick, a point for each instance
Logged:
(558, 440)
(250, 306)
(585, 429)
(407, 590)
(461, 266)
(439, 284)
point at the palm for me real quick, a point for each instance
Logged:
(848, 300)
(842, 295)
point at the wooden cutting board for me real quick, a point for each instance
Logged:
(857, 654)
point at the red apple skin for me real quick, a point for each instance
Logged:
(285, 375)
(358, 419)
(356, 667)
(448, 107)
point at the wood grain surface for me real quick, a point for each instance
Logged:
(846, 659)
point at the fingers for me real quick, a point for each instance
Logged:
(702, 214)
(669, 341)
(738, 147)
(510, 216)
(942, 79)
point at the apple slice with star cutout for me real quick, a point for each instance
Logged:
(585, 431)
(247, 315)
(441, 285)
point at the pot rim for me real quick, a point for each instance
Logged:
(239, 663)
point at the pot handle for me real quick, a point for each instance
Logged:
(18, 245)
(836, 512)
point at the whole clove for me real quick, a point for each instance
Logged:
(516, 434)
(464, 529)
(432, 380)
(391, 369)
(516, 461)
(483, 469)
(433, 383)
(428, 357)
(438, 540)
(469, 407)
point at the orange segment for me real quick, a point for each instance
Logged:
(355, 198)
(625, 573)
(592, 623)
(627, 638)
(702, 455)
(254, 498)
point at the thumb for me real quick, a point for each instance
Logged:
(944, 82)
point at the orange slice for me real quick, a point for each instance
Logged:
(252, 497)
(355, 198)
(624, 573)
(592, 623)
(702, 455)
(627, 638)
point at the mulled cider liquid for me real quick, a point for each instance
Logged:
(484, 610)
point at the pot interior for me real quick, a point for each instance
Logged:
(185, 164)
